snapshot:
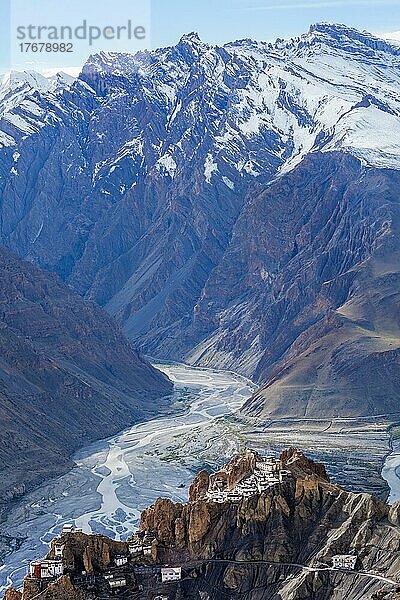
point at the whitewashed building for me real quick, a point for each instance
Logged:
(121, 560)
(148, 544)
(267, 472)
(58, 549)
(233, 496)
(135, 544)
(46, 569)
(217, 495)
(171, 574)
(269, 464)
(344, 561)
(117, 581)
(135, 548)
(70, 528)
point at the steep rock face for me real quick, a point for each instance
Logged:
(162, 517)
(236, 470)
(12, 594)
(91, 553)
(242, 465)
(199, 487)
(154, 167)
(327, 339)
(303, 521)
(62, 589)
(277, 544)
(302, 467)
(200, 527)
(67, 375)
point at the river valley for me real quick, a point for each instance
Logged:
(115, 479)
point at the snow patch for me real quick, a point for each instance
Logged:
(168, 163)
(228, 183)
(251, 126)
(38, 233)
(6, 140)
(20, 123)
(249, 168)
(210, 167)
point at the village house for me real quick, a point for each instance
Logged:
(171, 574)
(219, 496)
(58, 549)
(344, 561)
(117, 581)
(46, 569)
(148, 544)
(70, 528)
(135, 544)
(233, 496)
(121, 560)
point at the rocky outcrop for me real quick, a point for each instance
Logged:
(62, 589)
(237, 469)
(162, 517)
(322, 515)
(243, 465)
(67, 376)
(199, 487)
(303, 521)
(12, 594)
(90, 553)
(275, 544)
(302, 467)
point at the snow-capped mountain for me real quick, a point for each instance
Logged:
(296, 90)
(139, 184)
(17, 88)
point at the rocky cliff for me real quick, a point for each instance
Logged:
(328, 339)
(67, 376)
(232, 206)
(275, 545)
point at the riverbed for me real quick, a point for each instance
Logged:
(115, 479)
(391, 471)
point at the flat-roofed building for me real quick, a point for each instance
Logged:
(58, 549)
(121, 560)
(344, 561)
(46, 569)
(171, 574)
(117, 581)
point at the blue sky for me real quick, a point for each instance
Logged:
(223, 20)
(217, 21)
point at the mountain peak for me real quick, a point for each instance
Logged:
(327, 26)
(31, 78)
(191, 45)
(349, 37)
(191, 38)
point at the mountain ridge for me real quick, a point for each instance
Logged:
(147, 164)
(67, 376)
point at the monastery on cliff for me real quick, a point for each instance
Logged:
(266, 473)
